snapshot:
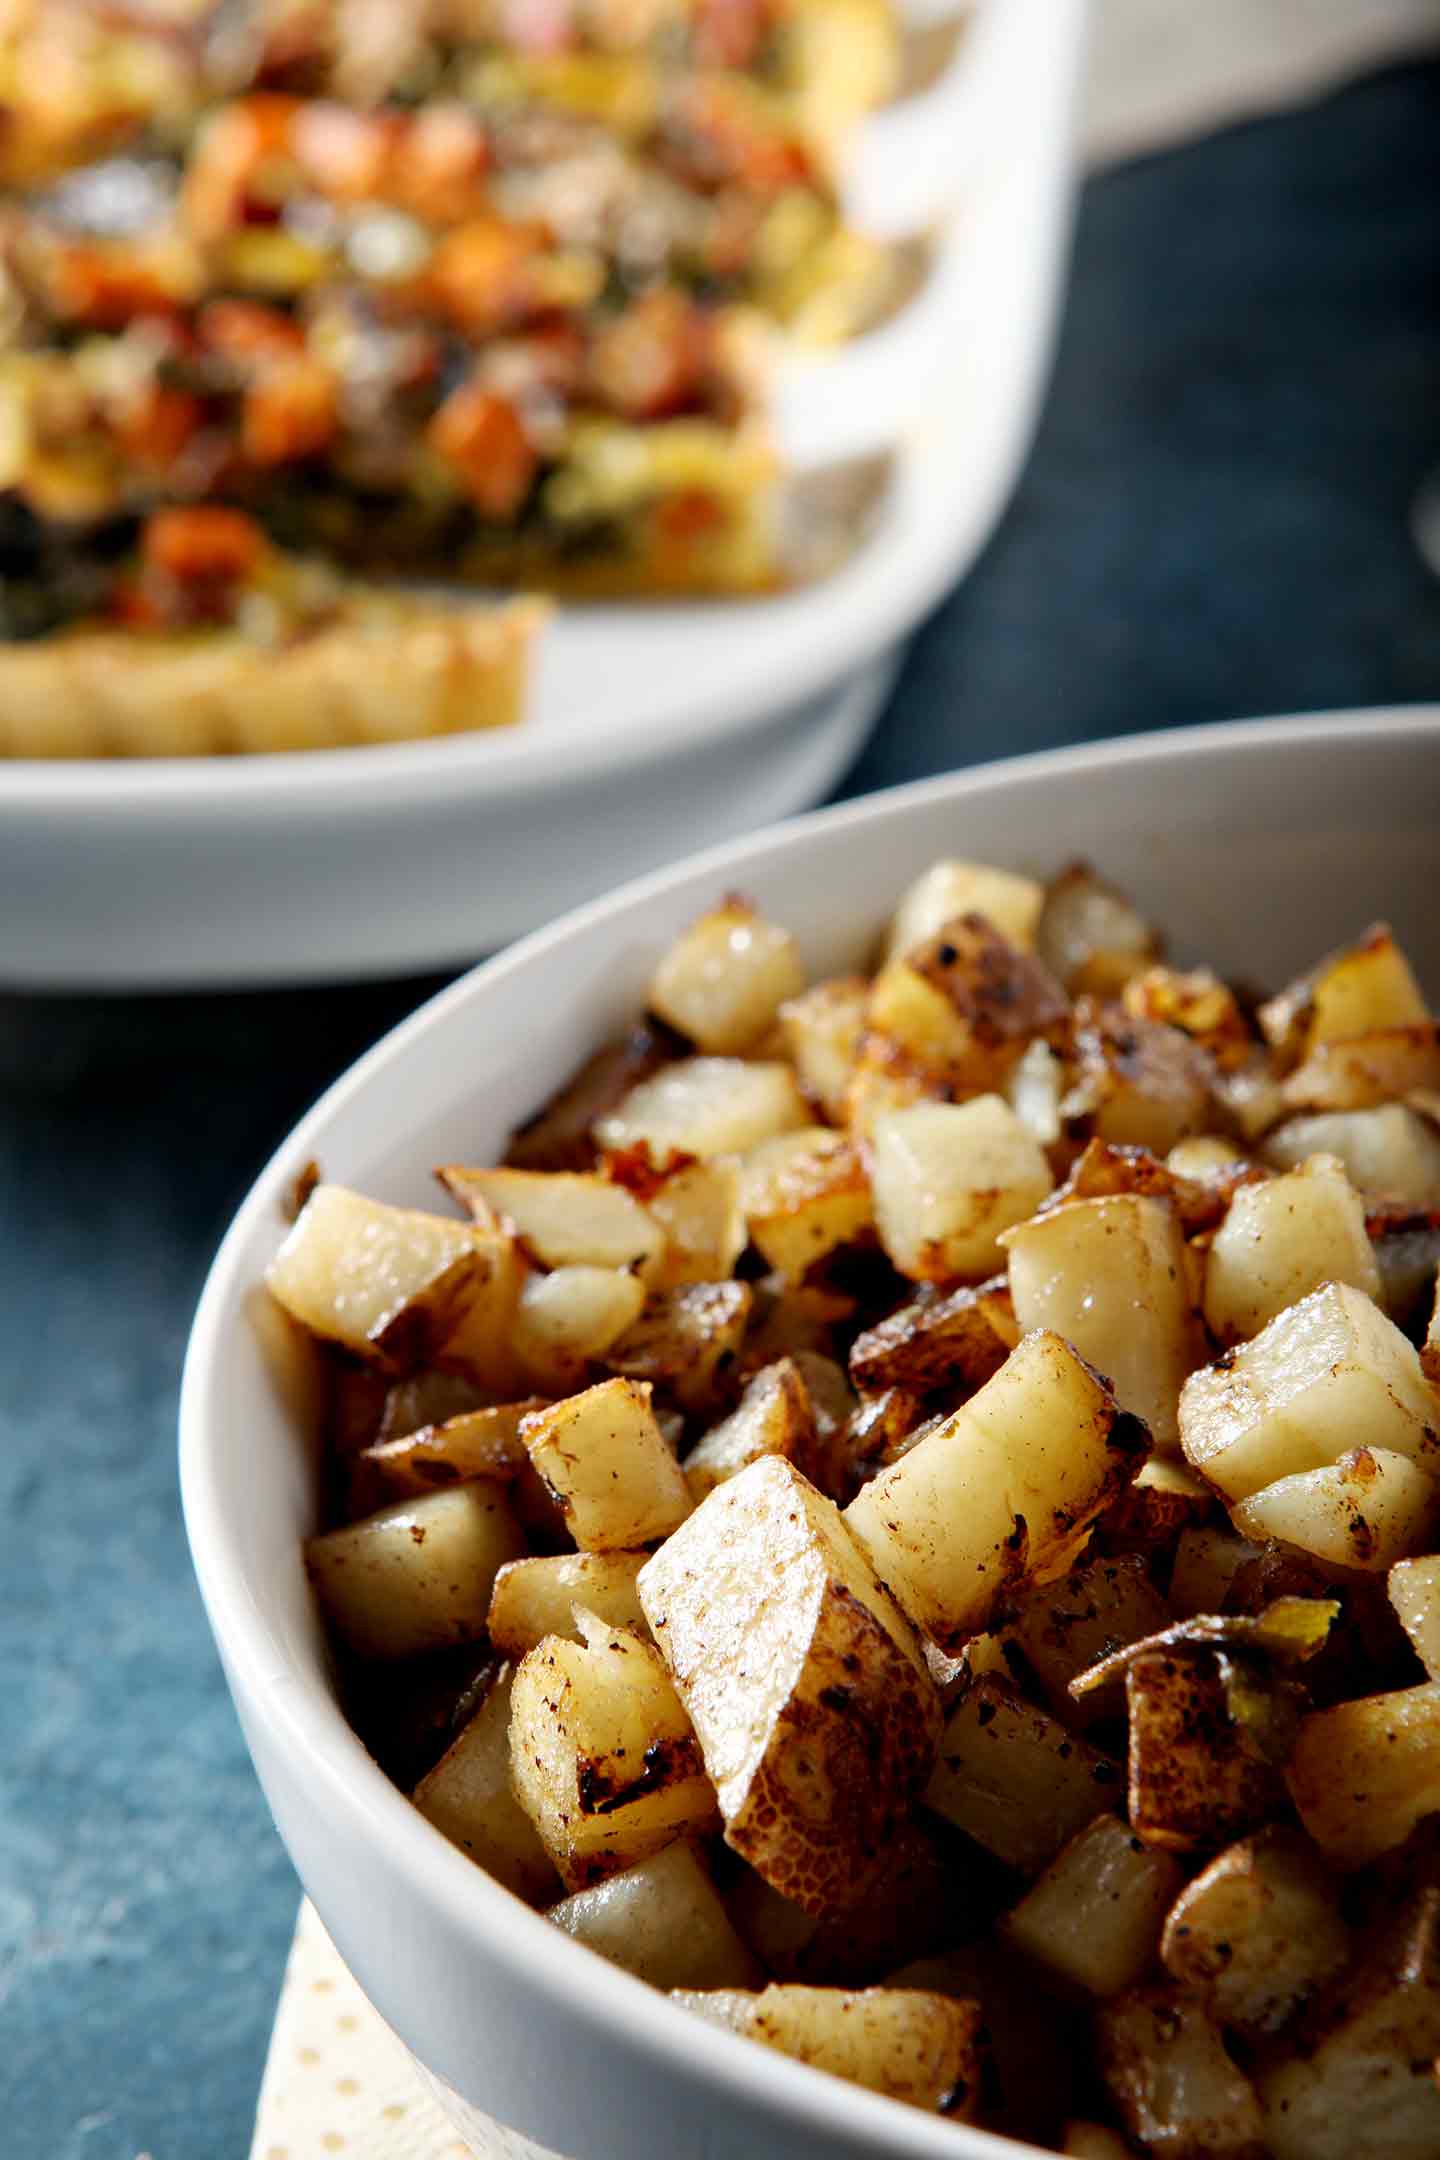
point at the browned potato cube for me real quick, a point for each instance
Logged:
(1090, 936)
(1199, 1004)
(958, 1340)
(1014, 1779)
(814, 1709)
(948, 1178)
(1364, 1773)
(1363, 2080)
(1393, 1151)
(1258, 1931)
(539, 1597)
(1363, 987)
(1198, 1773)
(685, 1341)
(569, 1318)
(967, 1002)
(663, 1921)
(1366, 1071)
(1177, 2090)
(698, 1209)
(477, 1443)
(1328, 1375)
(565, 1219)
(1281, 1240)
(1110, 1275)
(1138, 1083)
(385, 1282)
(602, 1756)
(918, 1895)
(923, 2049)
(1366, 1511)
(950, 888)
(610, 1466)
(1414, 1587)
(1094, 1917)
(773, 1418)
(822, 1031)
(725, 978)
(1067, 1626)
(417, 1575)
(559, 1136)
(1001, 1493)
(468, 1798)
(706, 1106)
(803, 1194)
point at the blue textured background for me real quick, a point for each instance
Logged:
(1213, 523)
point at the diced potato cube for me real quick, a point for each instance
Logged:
(1328, 1375)
(1002, 1493)
(698, 1208)
(1199, 1004)
(602, 1756)
(961, 1339)
(610, 1466)
(685, 1340)
(1393, 1151)
(911, 1900)
(468, 1798)
(1092, 2141)
(726, 977)
(662, 1921)
(1179, 2093)
(417, 1575)
(1110, 1276)
(1363, 1773)
(814, 1709)
(1364, 2079)
(1094, 1917)
(1258, 1931)
(1366, 1511)
(1207, 1560)
(924, 2049)
(559, 1135)
(1281, 1240)
(1198, 1773)
(538, 1597)
(1363, 987)
(1206, 1158)
(822, 1032)
(1366, 1071)
(706, 1106)
(773, 1418)
(1414, 1588)
(384, 1282)
(1139, 1083)
(1034, 1090)
(947, 889)
(478, 1443)
(570, 1316)
(948, 1178)
(481, 1346)
(1015, 1779)
(1090, 936)
(803, 1194)
(1067, 1626)
(968, 1001)
(1037, 2039)
(565, 1219)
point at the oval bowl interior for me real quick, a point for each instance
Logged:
(1256, 845)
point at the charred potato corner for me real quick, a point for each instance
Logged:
(906, 1513)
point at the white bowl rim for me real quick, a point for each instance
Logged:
(325, 1746)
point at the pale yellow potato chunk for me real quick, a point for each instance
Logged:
(914, 2046)
(773, 1417)
(418, 1574)
(1094, 1917)
(948, 1178)
(1207, 1560)
(698, 1209)
(1365, 1072)
(662, 1921)
(469, 1799)
(813, 1705)
(1364, 1773)
(541, 1596)
(1178, 2091)
(1364, 987)
(381, 1281)
(1258, 1931)
(1391, 1151)
(947, 889)
(1015, 1779)
(1281, 1240)
(1034, 1091)
(603, 1455)
(706, 1106)
(1110, 1275)
(1327, 1376)
(481, 1346)
(804, 1193)
(1001, 1493)
(571, 1315)
(566, 1218)
(682, 1339)
(725, 978)
(1368, 1510)
(821, 1031)
(602, 1756)
(1414, 1588)
(1065, 1627)
(1090, 936)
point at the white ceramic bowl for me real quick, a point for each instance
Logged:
(1260, 844)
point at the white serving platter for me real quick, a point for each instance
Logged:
(653, 729)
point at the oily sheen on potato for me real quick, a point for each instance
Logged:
(906, 1514)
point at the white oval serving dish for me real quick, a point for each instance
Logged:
(1258, 844)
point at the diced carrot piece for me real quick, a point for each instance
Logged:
(446, 155)
(202, 544)
(155, 428)
(481, 437)
(291, 411)
(480, 273)
(229, 159)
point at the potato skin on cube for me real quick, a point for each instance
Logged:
(384, 1282)
(948, 1178)
(1015, 1780)
(922, 2048)
(815, 1711)
(773, 1417)
(1197, 1775)
(1178, 2091)
(1366, 1511)
(1258, 1931)
(1364, 1773)
(726, 977)
(468, 1797)
(663, 1921)
(605, 1458)
(1002, 1493)
(685, 1341)
(418, 1574)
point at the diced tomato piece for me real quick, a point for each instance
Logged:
(229, 161)
(651, 360)
(445, 157)
(482, 438)
(344, 154)
(250, 334)
(291, 412)
(155, 427)
(202, 545)
(480, 274)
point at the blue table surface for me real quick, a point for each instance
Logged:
(1213, 523)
